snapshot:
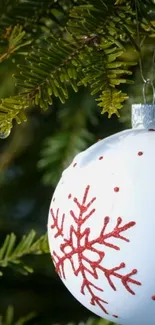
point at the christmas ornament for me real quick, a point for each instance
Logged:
(101, 225)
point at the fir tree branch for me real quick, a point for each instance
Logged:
(99, 33)
(110, 101)
(95, 321)
(11, 253)
(10, 109)
(64, 63)
(8, 319)
(15, 39)
(24, 22)
(32, 14)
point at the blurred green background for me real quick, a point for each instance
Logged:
(31, 161)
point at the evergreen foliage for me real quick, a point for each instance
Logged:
(8, 319)
(87, 47)
(11, 253)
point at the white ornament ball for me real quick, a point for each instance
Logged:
(101, 227)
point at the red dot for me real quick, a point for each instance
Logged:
(151, 129)
(74, 164)
(122, 264)
(101, 157)
(134, 271)
(69, 196)
(116, 189)
(153, 297)
(140, 153)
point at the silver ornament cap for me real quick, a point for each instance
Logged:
(143, 116)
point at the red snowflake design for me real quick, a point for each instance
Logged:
(70, 249)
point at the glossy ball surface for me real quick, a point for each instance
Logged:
(101, 227)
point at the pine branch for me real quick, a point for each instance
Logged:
(24, 22)
(52, 70)
(15, 41)
(12, 108)
(110, 101)
(23, 12)
(146, 10)
(11, 253)
(32, 14)
(96, 321)
(93, 54)
(114, 19)
(8, 319)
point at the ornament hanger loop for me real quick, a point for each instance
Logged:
(148, 82)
